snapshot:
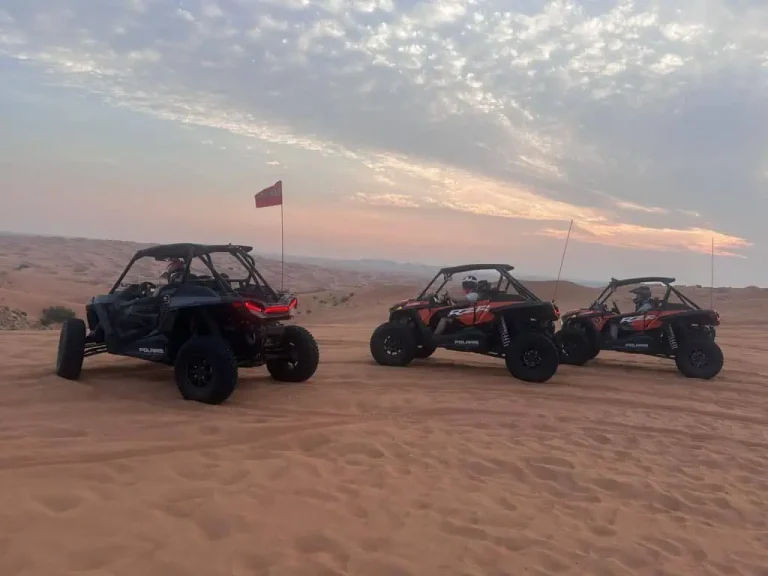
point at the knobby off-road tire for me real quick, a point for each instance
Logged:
(206, 370)
(69, 357)
(532, 357)
(305, 354)
(699, 358)
(574, 347)
(393, 344)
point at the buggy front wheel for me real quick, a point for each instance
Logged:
(532, 357)
(393, 344)
(69, 357)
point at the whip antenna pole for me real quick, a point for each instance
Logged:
(562, 259)
(712, 276)
(282, 249)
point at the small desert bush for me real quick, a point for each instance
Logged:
(56, 315)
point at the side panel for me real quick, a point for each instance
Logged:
(153, 348)
(659, 319)
(101, 306)
(638, 343)
(467, 340)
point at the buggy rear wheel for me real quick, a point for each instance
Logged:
(699, 358)
(206, 370)
(69, 357)
(532, 357)
(305, 356)
(393, 344)
(574, 347)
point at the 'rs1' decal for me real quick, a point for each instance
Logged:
(630, 319)
(462, 311)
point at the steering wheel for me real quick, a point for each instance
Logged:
(615, 308)
(147, 288)
(438, 299)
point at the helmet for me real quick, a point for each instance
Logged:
(174, 271)
(642, 294)
(469, 283)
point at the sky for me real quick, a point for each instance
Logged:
(442, 132)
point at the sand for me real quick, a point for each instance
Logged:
(447, 467)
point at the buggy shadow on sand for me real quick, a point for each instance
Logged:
(675, 327)
(202, 322)
(506, 321)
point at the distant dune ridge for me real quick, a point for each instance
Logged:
(37, 272)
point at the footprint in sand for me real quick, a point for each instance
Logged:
(318, 543)
(312, 442)
(193, 471)
(233, 477)
(380, 567)
(464, 531)
(61, 432)
(602, 530)
(316, 495)
(95, 558)
(216, 525)
(250, 564)
(60, 503)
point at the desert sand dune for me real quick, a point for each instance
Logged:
(447, 467)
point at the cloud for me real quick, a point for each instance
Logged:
(632, 236)
(636, 207)
(459, 104)
(398, 200)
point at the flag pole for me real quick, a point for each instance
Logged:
(282, 246)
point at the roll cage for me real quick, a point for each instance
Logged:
(615, 284)
(505, 279)
(188, 252)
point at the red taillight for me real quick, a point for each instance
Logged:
(257, 308)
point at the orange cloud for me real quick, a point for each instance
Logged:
(439, 186)
(632, 236)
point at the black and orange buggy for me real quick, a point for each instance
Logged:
(675, 327)
(506, 321)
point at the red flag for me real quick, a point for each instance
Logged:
(270, 196)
